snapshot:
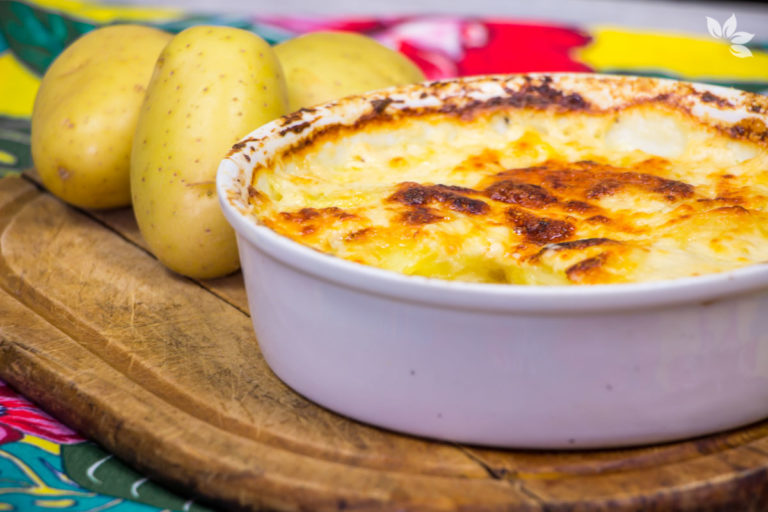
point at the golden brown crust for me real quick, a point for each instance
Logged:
(549, 198)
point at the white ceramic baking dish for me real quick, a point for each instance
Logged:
(503, 365)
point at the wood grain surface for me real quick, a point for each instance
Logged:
(166, 373)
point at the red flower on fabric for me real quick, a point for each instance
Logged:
(450, 46)
(18, 416)
(523, 48)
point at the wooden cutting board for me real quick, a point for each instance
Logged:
(166, 373)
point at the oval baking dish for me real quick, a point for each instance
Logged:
(523, 365)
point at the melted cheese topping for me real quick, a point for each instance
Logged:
(527, 196)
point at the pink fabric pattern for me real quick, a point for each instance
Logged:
(19, 416)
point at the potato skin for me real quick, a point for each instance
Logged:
(328, 65)
(86, 110)
(211, 87)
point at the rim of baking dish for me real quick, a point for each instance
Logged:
(232, 183)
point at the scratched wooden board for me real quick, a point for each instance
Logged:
(166, 373)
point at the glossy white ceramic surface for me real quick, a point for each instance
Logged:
(502, 365)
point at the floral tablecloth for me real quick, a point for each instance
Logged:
(43, 464)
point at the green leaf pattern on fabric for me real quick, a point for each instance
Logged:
(3, 44)
(96, 470)
(33, 480)
(36, 36)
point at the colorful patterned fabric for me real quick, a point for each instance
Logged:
(44, 465)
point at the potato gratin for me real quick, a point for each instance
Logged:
(615, 181)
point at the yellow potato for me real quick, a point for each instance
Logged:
(86, 110)
(211, 87)
(324, 66)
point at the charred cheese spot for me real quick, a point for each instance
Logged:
(579, 207)
(584, 269)
(536, 188)
(751, 128)
(574, 245)
(419, 215)
(539, 230)
(301, 216)
(591, 180)
(453, 197)
(306, 214)
(524, 194)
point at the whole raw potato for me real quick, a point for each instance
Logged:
(325, 66)
(86, 111)
(211, 87)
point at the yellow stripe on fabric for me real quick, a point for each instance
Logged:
(43, 444)
(691, 57)
(7, 159)
(107, 13)
(17, 88)
(65, 503)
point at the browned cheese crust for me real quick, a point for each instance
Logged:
(537, 186)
